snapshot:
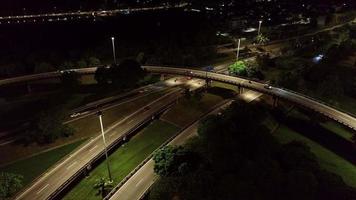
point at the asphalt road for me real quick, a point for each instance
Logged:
(12, 135)
(340, 116)
(64, 16)
(57, 176)
(143, 179)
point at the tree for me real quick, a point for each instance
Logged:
(103, 186)
(238, 68)
(262, 39)
(47, 127)
(9, 184)
(70, 79)
(93, 62)
(102, 75)
(43, 67)
(173, 161)
(81, 64)
(127, 74)
(164, 159)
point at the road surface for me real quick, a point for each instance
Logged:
(66, 16)
(143, 179)
(58, 176)
(342, 117)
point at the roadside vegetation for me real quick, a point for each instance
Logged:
(27, 169)
(235, 156)
(123, 161)
(190, 108)
(315, 66)
(83, 129)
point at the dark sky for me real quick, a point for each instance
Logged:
(13, 7)
(16, 6)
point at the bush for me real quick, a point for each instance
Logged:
(238, 68)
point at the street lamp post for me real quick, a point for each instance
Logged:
(113, 48)
(238, 49)
(259, 27)
(105, 146)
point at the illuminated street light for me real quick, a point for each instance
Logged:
(238, 49)
(113, 49)
(105, 146)
(259, 27)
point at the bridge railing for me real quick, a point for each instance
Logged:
(210, 75)
(319, 101)
(118, 186)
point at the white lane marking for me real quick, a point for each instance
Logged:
(93, 148)
(71, 164)
(138, 183)
(42, 188)
(93, 139)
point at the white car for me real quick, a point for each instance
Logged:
(268, 87)
(74, 115)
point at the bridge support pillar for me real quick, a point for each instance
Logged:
(207, 83)
(240, 89)
(275, 101)
(29, 89)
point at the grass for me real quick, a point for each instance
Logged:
(125, 159)
(224, 85)
(329, 125)
(32, 167)
(84, 128)
(337, 128)
(327, 159)
(189, 110)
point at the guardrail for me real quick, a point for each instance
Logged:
(258, 86)
(110, 147)
(183, 71)
(117, 187)
(101, 154)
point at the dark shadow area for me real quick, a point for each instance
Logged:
(223, 92)
(318, 134)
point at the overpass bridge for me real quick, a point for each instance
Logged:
(343, 117)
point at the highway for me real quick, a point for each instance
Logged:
(143, 179)
(66, 16)
(12, 135)
(342, 117)
(293, 97)
(60, 175)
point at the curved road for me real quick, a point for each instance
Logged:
(293, 97)
(51, 183)
(340, 116)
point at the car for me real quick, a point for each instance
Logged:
(74, 115)
(268, 87)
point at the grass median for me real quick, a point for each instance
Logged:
(125, 159)
(32, 167)
(84, 128)
(190, 109)
(327, 159)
